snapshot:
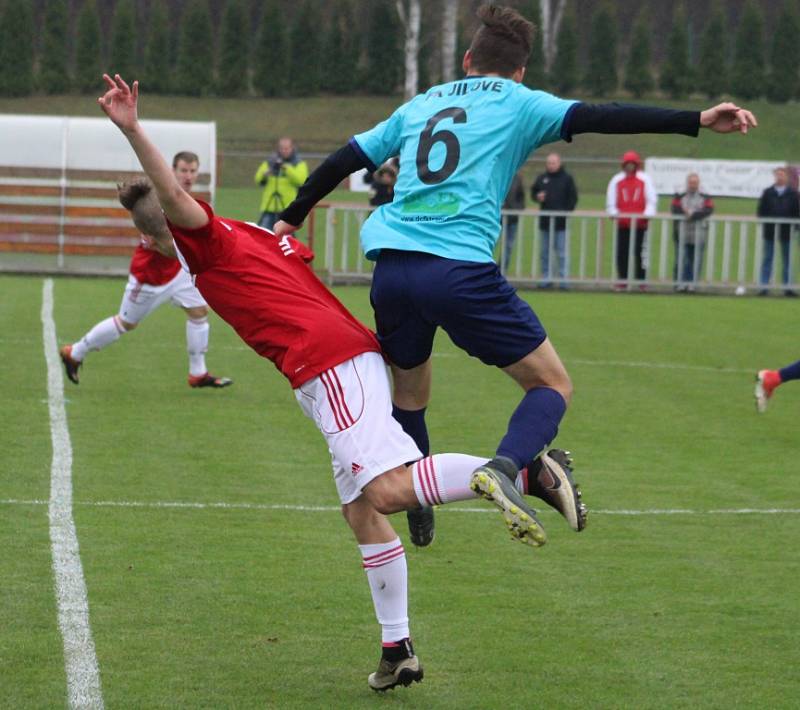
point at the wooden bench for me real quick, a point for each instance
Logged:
(43, 211)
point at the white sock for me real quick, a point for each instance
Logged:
(444, 478)
(387, 573)
(197, 345)
(102, 335)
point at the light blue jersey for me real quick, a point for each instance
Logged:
(460, 145)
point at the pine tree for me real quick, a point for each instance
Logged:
(676, 77)
(304, 67)
(233, 54)
(341, 51)
(54, 74)
(157, 52)
(564, 76)
(535, 74)
(712, 66)
(88, 52)
(195, 67)
(384, 49)
(784, 56)
(601, 74)
(638, 73)
(271, 59)
(16, 49)
(747, 76)
(123, 41)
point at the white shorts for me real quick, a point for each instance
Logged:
(351, 404)
(141, 299)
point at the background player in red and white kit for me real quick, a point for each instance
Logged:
(155, 278)
(263, 287)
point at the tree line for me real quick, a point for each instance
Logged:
(345, 47)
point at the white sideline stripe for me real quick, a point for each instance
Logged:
(336, 508)
(80, 659)
(568, 361)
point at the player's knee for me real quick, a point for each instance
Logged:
(127, 326)
(382, 496)
(197, 313)
(565, 388)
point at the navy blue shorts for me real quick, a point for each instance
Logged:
(414, 293)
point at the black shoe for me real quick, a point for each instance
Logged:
(208, 380)
(550, 478)
(763, 292)
(71, 366)
(421, 526)
(790, 294)
(494, 481)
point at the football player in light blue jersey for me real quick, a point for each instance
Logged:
(466, 140)
(459, 145)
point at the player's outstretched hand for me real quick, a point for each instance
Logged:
(728, 118)
(282, 228)
(119, 102)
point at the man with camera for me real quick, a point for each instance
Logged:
(281, 176)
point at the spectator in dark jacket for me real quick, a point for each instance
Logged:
(515, 200)
(555, 191)
(779, 200)
(689, 233)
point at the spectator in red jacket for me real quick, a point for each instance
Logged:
(631, 192)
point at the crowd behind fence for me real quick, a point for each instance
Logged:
(727, 258)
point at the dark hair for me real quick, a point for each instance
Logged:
(502, 43)
(186, 156)
(131, 191)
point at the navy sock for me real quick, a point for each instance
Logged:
(790, 372)
(413, 423)
(533, 425)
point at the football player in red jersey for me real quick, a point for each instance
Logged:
(155, 278)
(263, 287)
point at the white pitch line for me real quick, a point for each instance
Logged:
(638, 364)
(336, 508)
(80, 659)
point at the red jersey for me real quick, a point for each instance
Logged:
(263, 287)
(151, 267)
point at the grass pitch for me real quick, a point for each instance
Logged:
(262, 607)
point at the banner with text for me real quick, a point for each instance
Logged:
(723, 178)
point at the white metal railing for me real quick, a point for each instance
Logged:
(720, 253)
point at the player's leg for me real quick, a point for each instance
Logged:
(408, 342)
(137, 302)
(483, 315)
(184, 294)
(767, 381)
(384, 561)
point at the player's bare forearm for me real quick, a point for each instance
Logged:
(179, 207)
(119, 103)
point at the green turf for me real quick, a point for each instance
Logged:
(264, 608)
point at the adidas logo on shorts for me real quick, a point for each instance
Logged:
(357, 468)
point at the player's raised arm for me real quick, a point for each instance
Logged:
(335, 168)
(628, 119)
(119, 104)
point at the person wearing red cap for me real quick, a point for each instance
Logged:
(631, 192)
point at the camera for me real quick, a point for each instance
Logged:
(275, 166)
